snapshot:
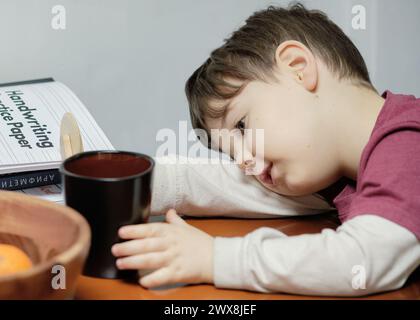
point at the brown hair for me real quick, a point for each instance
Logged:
(249, 55)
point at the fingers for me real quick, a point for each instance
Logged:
(152, 260)
(142, 230)
(173, 218)
(150, 229)
(158, 278)
(138, 246)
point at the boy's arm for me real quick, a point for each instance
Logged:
(328, 263)
(206, 189)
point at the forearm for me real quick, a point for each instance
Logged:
(206, 189)
(319, 264)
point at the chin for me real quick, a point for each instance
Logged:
(292, 187)
(280, 189)
(291, 192)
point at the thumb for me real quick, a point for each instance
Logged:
(173, 218)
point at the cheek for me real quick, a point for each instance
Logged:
(286, 144)
(275, 138)
(310, 175)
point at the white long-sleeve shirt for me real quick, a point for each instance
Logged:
(366, 254)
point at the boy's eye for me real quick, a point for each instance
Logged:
(240, 125)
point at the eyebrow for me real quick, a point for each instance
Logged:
(228, 108)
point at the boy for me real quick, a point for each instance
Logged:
(295, 74)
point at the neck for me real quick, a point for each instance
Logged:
(357, 110)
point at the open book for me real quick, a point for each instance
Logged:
(30, 117)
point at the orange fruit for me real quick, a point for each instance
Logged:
(13, 259)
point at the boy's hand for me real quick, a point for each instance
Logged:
(177, 251)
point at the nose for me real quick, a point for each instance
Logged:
(243, 156)
(249, 154)
(246, 159)
(247, 164)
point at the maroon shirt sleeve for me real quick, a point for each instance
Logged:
(389, 181)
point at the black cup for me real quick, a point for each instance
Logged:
(110, 189)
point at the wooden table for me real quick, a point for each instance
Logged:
(95, 288)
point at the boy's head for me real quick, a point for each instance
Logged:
(276, 73)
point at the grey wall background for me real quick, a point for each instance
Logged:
(128, 60)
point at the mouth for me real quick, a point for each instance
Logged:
(265, 176)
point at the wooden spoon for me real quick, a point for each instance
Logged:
(70, 137)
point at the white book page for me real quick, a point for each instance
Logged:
(30, 117)
(52, 193)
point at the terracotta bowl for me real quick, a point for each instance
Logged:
(52, 235)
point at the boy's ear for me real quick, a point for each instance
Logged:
(295, 57)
